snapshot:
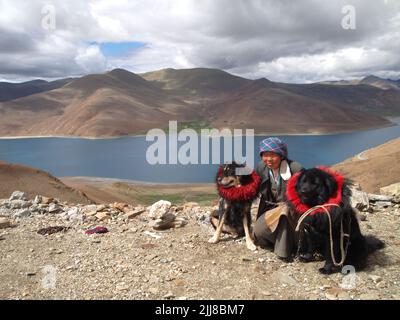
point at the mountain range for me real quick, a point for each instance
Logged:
(371, 81)
(119, 103)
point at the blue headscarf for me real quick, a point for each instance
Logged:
(275, 145)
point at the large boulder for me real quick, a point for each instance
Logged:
(359, 199)
(18, 195)
(159, 209)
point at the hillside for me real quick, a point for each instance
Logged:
(103, 190)
(281, 110)
(370, 81)
(113, 104)
(34, 181)
(11, 91)
(120, 103)
(201, 83)
(374, 168)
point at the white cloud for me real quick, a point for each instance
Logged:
(342, 64)
(91, 59)
(290, 41)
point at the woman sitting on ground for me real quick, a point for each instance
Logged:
(273, 226)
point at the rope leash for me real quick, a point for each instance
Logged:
(342, 234)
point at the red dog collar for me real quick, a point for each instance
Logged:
(246, 192)
(293, 197)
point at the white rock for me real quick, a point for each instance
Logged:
(19, 204)
(38, 199)
(168, 221)
(74, 213)
(54, 208)
(18, 195)
(22, 213)
(359, 199)
(159, 209)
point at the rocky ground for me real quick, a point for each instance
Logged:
(161, 252)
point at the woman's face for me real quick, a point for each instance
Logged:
(271, 159)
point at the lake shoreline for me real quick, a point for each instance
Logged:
(130, 181)
(315, 133)
(110, 190)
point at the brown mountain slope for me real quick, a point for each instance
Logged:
(198, 82)
(374, 168)
(357, 97)
(111, 104)
(34, 181)
(11, 91)
(270, 106)
(368, 94)
(121, 103)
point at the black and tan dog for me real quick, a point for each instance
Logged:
(328, 224)
(237, 186)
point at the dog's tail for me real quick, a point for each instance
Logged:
(373, 243)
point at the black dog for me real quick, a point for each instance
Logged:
(321, 186)
(237, 186)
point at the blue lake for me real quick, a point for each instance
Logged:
(125, 158)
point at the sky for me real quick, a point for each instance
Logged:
(299, 41)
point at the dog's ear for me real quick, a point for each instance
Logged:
(238, 164)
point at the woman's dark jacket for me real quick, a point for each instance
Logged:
(270, 192)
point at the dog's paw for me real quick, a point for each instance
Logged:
(214, 239)
(251, 246)
(306, 257)
(325, 270)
